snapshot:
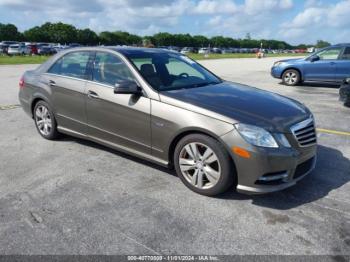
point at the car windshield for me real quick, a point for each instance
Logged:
(167, 71)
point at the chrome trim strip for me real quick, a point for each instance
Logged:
(102, 130)
(300, 134)
(302, 124)
(116, 146)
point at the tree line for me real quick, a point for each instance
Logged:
(65, 34)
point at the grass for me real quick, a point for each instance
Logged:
(19, 60)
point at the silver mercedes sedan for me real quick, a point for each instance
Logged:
(166, 108)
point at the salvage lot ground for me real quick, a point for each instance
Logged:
(75, 197)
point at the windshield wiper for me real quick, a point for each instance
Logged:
(192, 86)
(202, 84)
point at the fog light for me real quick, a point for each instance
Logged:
(273, 177)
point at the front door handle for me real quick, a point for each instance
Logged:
(52, 83)
(332, 63)
(92, 94)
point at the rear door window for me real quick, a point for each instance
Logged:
(72, 65)
(346, 54)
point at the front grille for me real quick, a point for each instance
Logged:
(303, 168)
(305, 133)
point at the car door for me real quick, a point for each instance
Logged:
(67, 80)
(122, 120)
(323, 69)
(343, 65)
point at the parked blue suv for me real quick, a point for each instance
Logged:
(330, 65)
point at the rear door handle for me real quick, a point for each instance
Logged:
(52, 83)
(92, 94)
(332, 63)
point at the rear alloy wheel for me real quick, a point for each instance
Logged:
(45, 121)
(203, 165)
(291, 77)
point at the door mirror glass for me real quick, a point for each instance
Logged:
(127, 87)
(314, 58)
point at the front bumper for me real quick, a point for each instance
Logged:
(276, 72)
(291, 164)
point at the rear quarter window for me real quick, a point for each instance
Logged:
(346, 54)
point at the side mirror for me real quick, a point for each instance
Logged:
(347, 80)
(127, 87)
(314, 58)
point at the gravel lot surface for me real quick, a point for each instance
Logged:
(75, 197)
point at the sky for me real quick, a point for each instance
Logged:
(294, 21)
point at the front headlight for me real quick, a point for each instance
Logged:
(256, 136)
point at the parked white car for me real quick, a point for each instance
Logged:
(17, 49)
(203, 50)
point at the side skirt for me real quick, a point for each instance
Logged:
(115, 146)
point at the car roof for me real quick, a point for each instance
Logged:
(138, 50)
(343, 44)
(124, 50)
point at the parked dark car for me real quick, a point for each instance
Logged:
(344, 92)
(165, 107)
(46, 50)
(32, 49)
(3, 48)
(4, 45)
(329, 65)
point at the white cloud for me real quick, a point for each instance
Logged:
(318, 20)
(212, 7)
(253, 7)
(215, 21)
(286, 4)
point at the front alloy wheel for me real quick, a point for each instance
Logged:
(199, 165)
(203, 165)
(291, 77)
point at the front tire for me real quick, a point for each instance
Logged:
(291, 77)
(347, 103)
(45, 121)
(203, 165)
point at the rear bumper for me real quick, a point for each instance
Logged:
(286, 165)
(344, 93)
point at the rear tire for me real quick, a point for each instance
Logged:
(291, 77)
(204, 165)
(45, 121)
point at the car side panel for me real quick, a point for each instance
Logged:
(322, 70)
(168, 122)
(343, 70)
(121, 119)
(68, 99)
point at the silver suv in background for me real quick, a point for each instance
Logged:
(164, 107)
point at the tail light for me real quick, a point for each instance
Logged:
(21, 83)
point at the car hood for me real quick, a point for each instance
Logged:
(239, 103)
(292, 60)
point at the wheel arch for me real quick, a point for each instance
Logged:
(35, 100)
(187, 132)
(293, 68)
